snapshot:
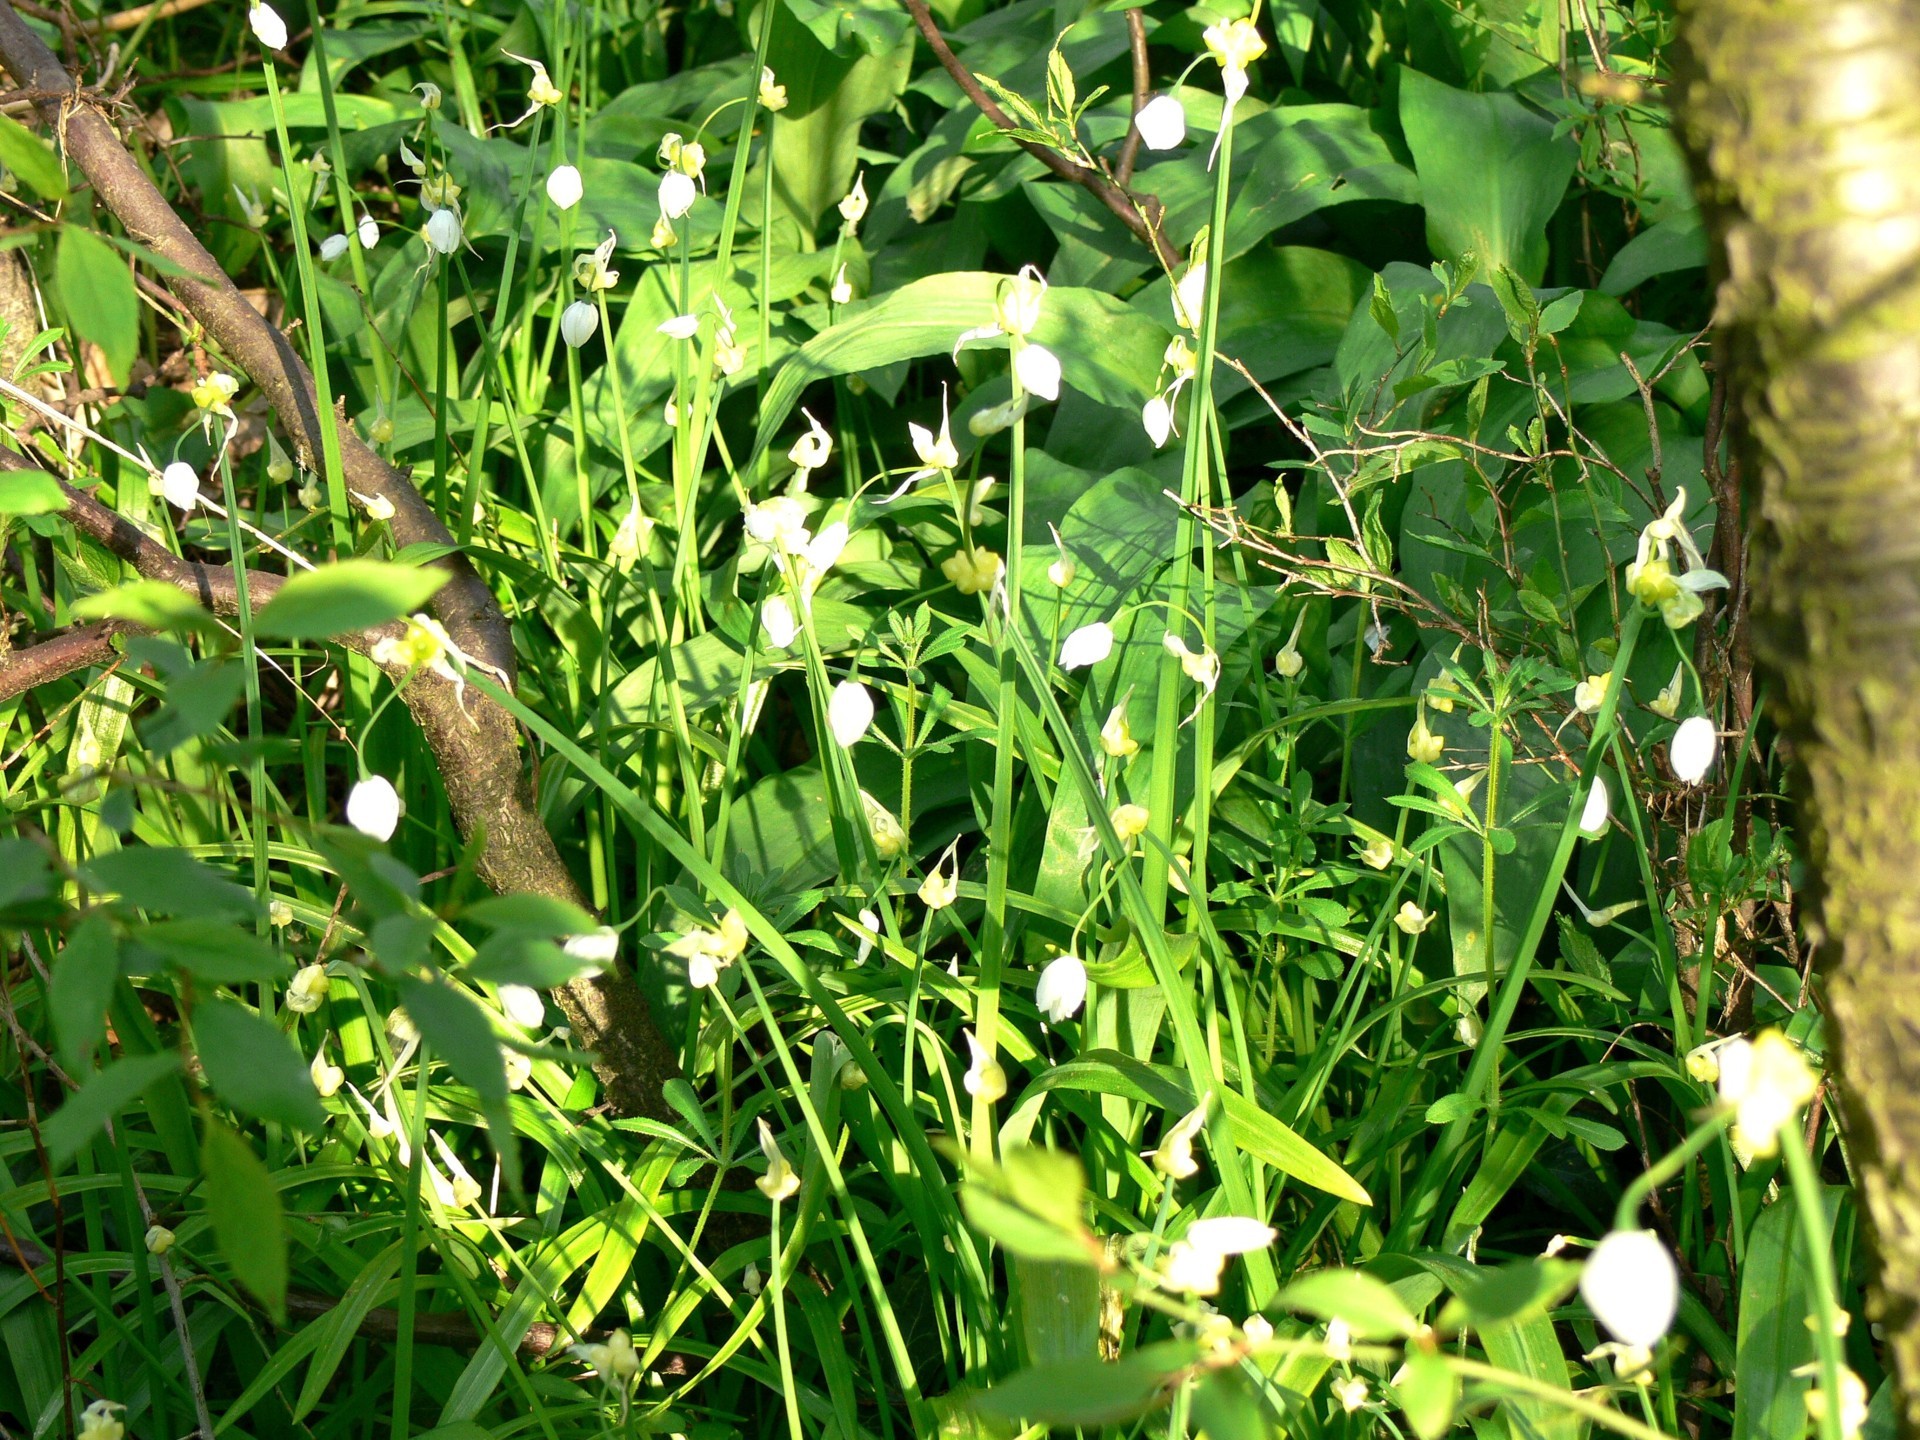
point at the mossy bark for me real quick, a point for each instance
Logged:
(1802, 118)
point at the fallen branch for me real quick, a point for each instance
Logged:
(1140, 216)
(76, 649)
(607, 1012)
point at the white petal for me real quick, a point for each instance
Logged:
(677, 194)
(1157, 417)
(776, 618)
(1692, 750)
(373, 807)
(443, 231)
(1230, 1235)
(1038, 371)
(849, 712)
(578, 322)
(1632, 1286)
(564, 187)
(1593, 819)
(680, 327)
(333, 247)
(1088, 645)
(268, 28)
(1061, 989)
(1162, 123)
(180, 485)
(523, 1006)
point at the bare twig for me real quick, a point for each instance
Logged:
(1142, 92)
(70, 650)
(1141, 216)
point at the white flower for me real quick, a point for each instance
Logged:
(368, 230)
(97, 1421)
(429, 95)
(1692, 749)
(824, 550)
(936, 452)
(332, 248)
(1061, 989)
(995, 418)
(1351, 1393)
(677, 194)
(598, 947)
(776, 619)
(679, 327)
(180, 485)
(1591, 693)
(373, 807)
(1017, 303)
(1060, 572)
(1593, 818)
(1632, 1286)
(780, 1181)
(519, 1067)
(780, 522)
(1231, 1234)
(268, 28)
(326, 1076)
(523, 1006)
(1189, 296)
(307, 989)
(1174, 1157)
(590, 272)
(564, 187)
(1410, 919)
(1203, 667)
(750, 1280)
(810, 451)
(888, 835)
(1157, 417)
(1037, 369)
(1088, 645)
(1162, 123)
(1854, 1402)
(617, 1361)
(773, 95)
(578, 322)
(1116, 736)
(1339, 1341)
(984, 1077)
(1667, 702)
(842, 291)
(159, 1239)
(853, 207)
(464, 1189)
(849, 712)
(443, 231)
(1187, 1267)
(1767, 1080)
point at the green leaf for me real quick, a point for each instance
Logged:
(1225, 1409)
(1428, 1391)
(29, 492)
(1492, 173)
(1370, 1307)
(1521, 1288)
(348, 595)
(244, 1205)
(1107, 350)
(1267, 1140)
(96, 289)
(253, 1067)
(84, 974)
(152, 603)
(32, 159)
(1091, 1392)
(463, 1036)
(96, 1102)
(166, 881)
(1776, 1297)
(209, 950)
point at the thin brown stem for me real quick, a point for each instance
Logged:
(1142, 92)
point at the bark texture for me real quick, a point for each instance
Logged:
(1803, 122)
(477, 748)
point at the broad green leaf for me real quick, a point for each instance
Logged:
(463, 1036)
(1269, 1141)
(1492, 173)
(1485, 1296)
(248, 1222)
(254, 1067)
(1428, 1391)
(341, 1325)
(166, 881)
(84, 974)
(1224, 1408)
(1776, 1297)
(1057, 1307)
(1089, 1392)
(213, 952)
(152, 603)
(347, 595)
(69, 1128)
(29, 492)
(1369, 1307)
(1106, 350)
(29, 157)
(96, 289)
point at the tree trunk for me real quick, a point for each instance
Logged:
(1803, 121)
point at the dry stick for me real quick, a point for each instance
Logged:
(1142, 92)
(1141, 216)
(71, 650)
(608, 1012)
